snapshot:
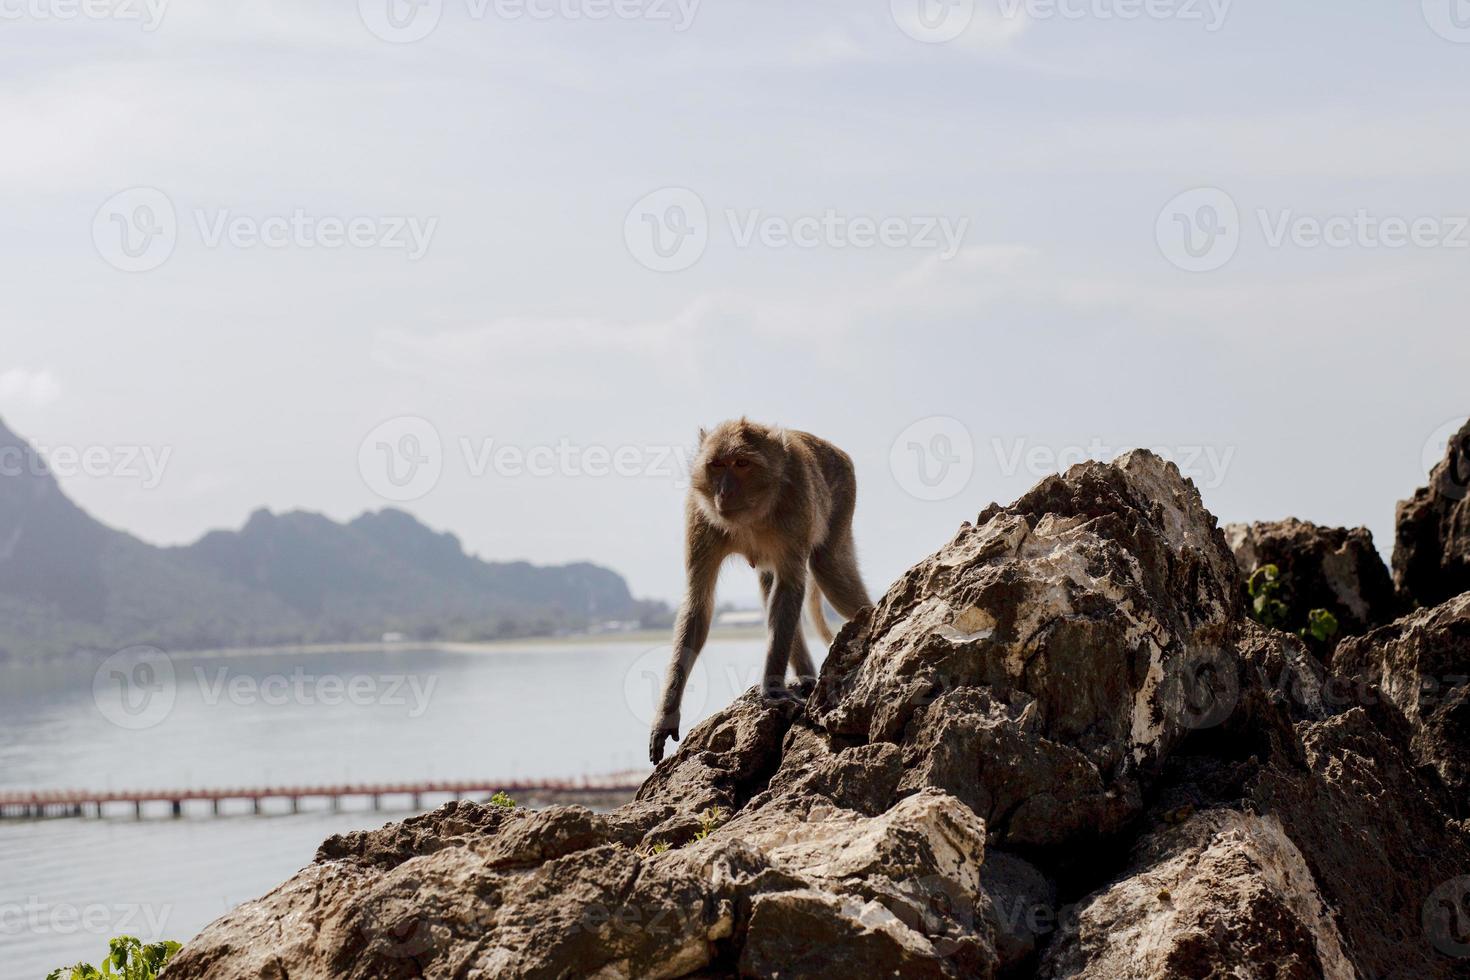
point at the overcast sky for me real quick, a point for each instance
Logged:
(276, 247)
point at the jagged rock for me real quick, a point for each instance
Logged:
(1422, 664)
(1020, 907)
(1377, 836)
(861, 778)
(812, 934)
(1431, 551)
(725, 760)
(903, 888)
(1064, 705)
(995, 758)
(1035, 666)
(1330, 568)
(1225, 894)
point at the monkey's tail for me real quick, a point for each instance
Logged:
(818, 616)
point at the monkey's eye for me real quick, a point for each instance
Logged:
(742, 463)
(715, 464)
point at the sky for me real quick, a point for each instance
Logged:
(496, 261)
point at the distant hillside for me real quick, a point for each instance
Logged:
(69, 584)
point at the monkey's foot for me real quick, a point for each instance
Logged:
(804, 687)
(781, 693)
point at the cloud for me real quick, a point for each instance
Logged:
(526, 350)
(23, 388)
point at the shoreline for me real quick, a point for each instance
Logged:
(414, 646)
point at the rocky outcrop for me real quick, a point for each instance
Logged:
(1431, 552)
(1422, 665)
(1330, 568)
(1224, 887)
(1038, 667)
(1055, 747)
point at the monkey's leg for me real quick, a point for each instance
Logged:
(834, 565)
(803, 667)
(801, 660)
(690, 634)
(783, 614)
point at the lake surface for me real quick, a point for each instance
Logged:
(147, 721)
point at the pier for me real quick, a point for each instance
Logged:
(176, 803)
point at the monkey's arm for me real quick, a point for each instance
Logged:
(691, 631)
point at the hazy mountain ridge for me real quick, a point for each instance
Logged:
(70, 584)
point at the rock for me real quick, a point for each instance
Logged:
(726, 759)
(861, 778)
(1035, 666)
(1021, 907)
(1330, 568)
(898, 892)
(813, 934)
(1378, 838)
(1422, 664)
(1042, 792)
(1057, 745)
(1226, 894)
(1431, 551)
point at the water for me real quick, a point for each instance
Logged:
(67, 885)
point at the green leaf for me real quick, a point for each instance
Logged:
(1321, 624)
(1263, 581)
(127, 959)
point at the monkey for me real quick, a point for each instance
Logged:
(783, 500)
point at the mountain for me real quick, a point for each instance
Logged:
(70, 584)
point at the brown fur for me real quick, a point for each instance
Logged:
(783, 500)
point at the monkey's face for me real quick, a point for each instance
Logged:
(737, 475)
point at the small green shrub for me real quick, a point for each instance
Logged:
(1263, 585)
(503, 801)
(127, 959)
(709, 821)
(1267, 609)
(1321, 626)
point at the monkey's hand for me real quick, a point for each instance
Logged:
(664, 728)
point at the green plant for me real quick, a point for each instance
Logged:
(709, 821)
(503, 801)
(1263, 585)
(127, 959)
(659, 847)
(1321, 626)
